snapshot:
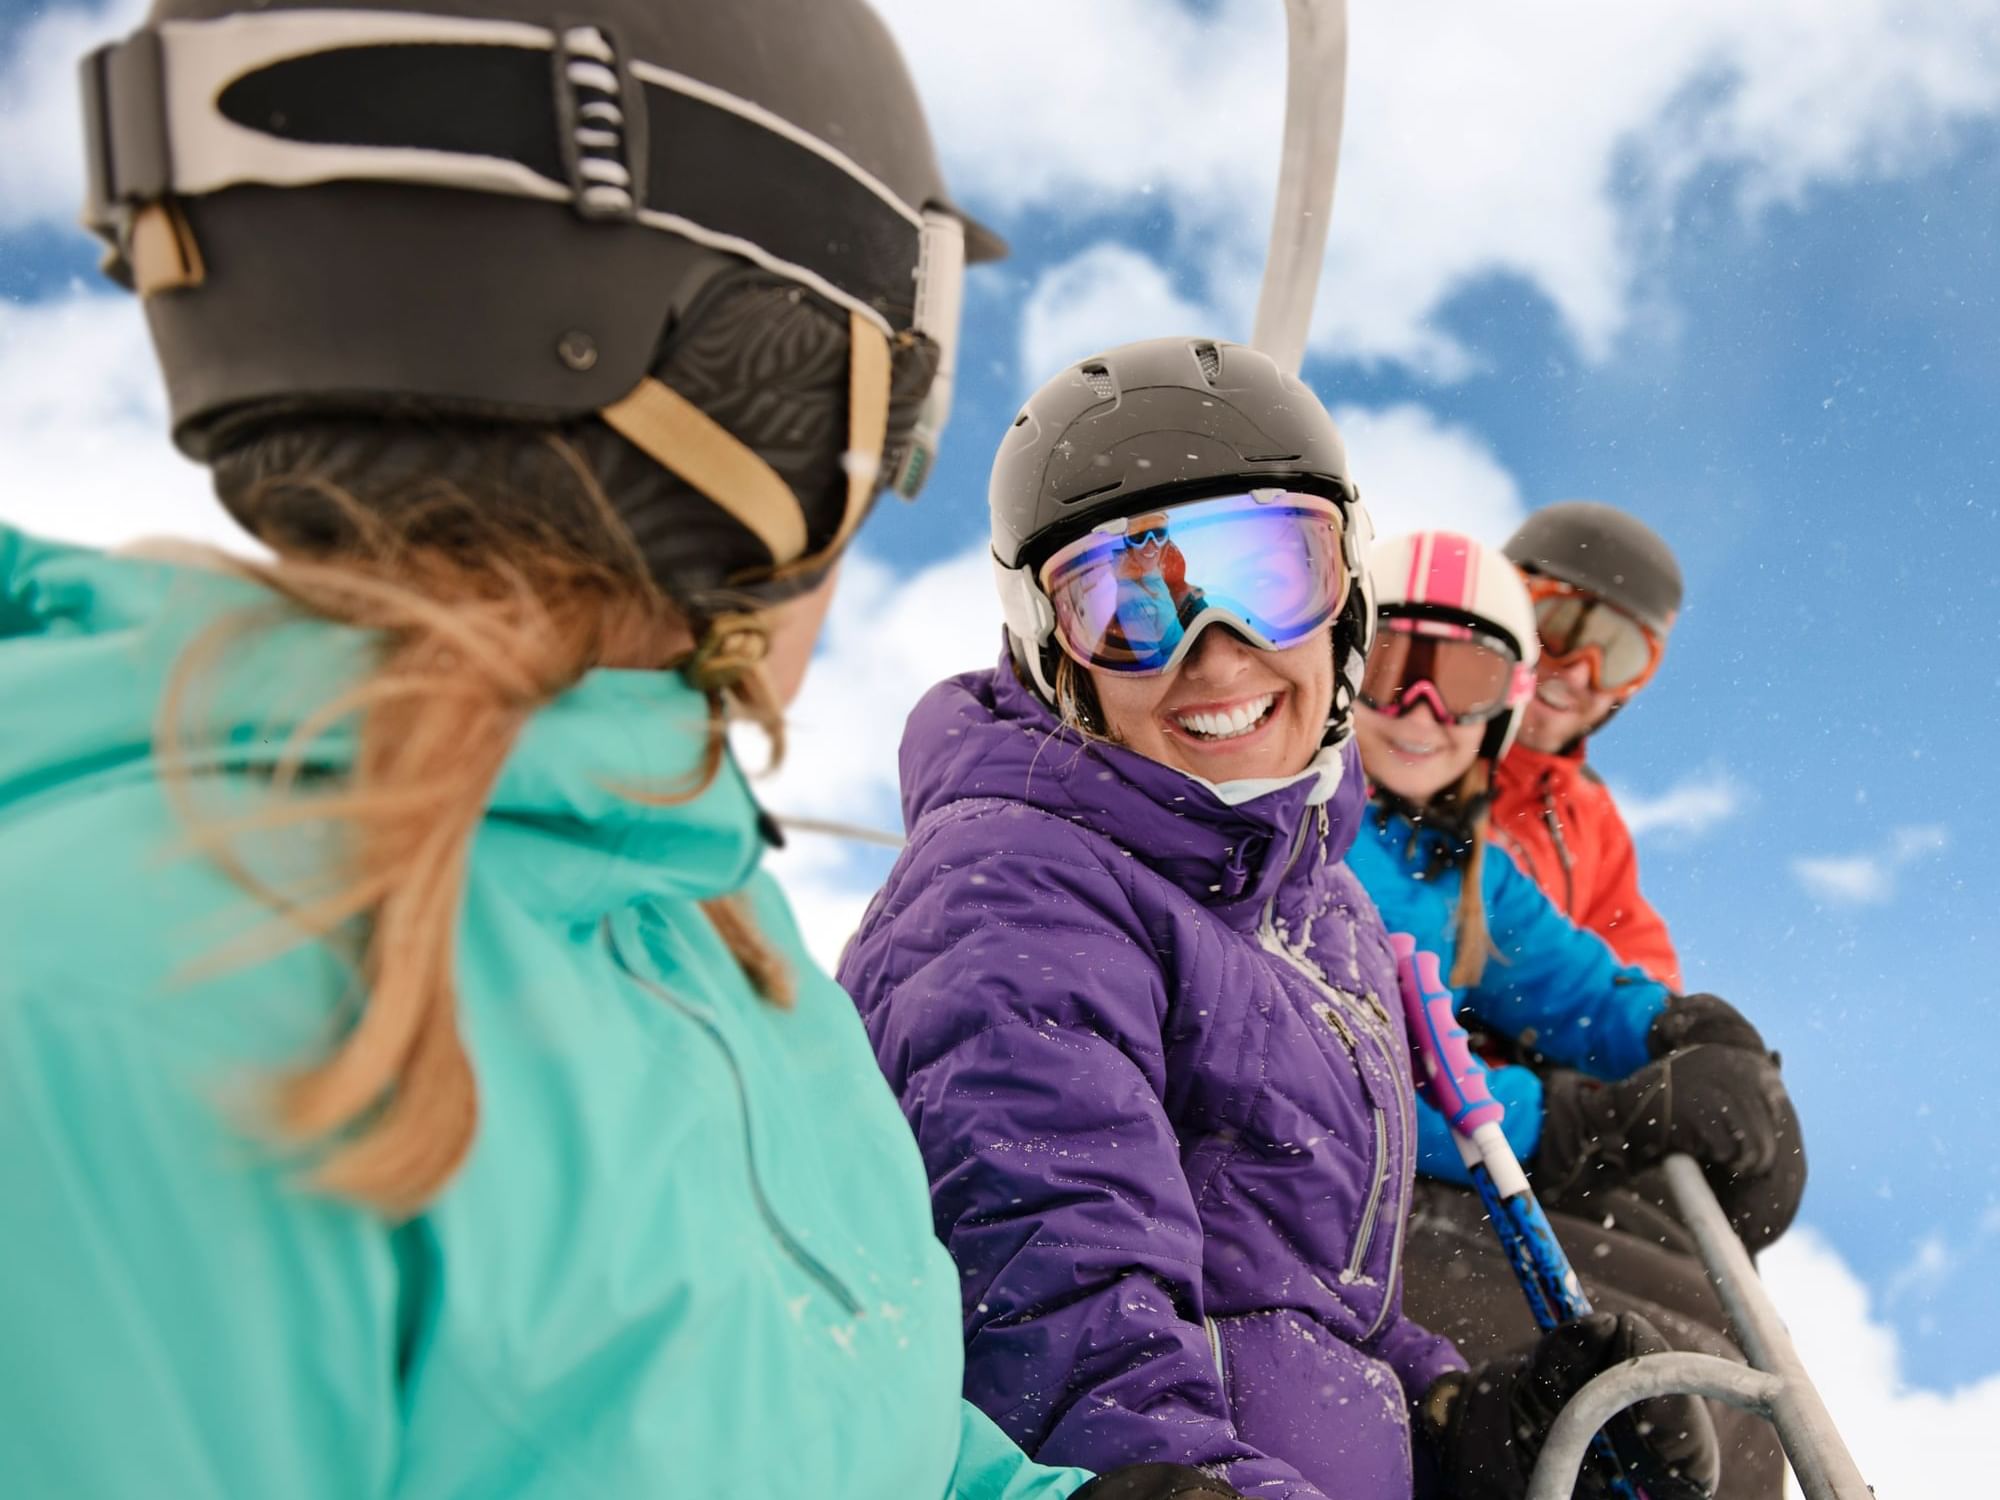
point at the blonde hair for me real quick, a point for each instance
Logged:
(1475, 939)
(474, 639)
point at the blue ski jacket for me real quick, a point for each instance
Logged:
(1549, 982)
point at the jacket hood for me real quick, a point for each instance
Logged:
(985, 735)
(89, 643)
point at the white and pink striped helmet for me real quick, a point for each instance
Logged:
(1442, 575)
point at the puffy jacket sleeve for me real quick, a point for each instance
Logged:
(1557, 985)
(1018, 1015)
(1618, 911)
(175, 1318)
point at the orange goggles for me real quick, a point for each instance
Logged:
(1576, 625)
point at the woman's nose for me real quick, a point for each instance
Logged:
(1218, 653)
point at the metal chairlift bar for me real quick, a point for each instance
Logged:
(831, 829)
(1775, 1384)
(1825, 1468)
(1634, 1381)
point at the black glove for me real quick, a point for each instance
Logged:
(1701, 1021)
(1155, 1482)
(1721, 1105)
(1487, 1426)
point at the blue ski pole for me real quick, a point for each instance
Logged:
(1456, 1088)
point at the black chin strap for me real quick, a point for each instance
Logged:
(1456, 823)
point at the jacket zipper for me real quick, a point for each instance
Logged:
(1366, 1234)
(814, 1268)
(1407, 1110)
(1215, 1348)
(1562, 847)
(1267, 933)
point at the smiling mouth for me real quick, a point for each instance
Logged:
(1554, 693)
(1414, 749)
(1215, 727)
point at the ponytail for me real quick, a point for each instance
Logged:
(1474, 940)
(473, 642)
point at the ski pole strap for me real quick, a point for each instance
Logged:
(1449, 1079)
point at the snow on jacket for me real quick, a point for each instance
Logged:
(1559, 821)
(690, 1252)
(1548, 983)
(1144, 1041)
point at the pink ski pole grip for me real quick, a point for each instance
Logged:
(1448, 1078)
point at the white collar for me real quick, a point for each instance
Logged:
(1326, 769)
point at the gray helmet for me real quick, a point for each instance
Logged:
(1600, 548)
(508, 209)
(1145, 425)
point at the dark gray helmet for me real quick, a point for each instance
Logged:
(1600, 548)
(507, 209)
(1145, 425)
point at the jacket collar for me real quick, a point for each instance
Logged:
(986, 735)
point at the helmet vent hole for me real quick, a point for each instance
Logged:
(1211, 362)
(1098, 378)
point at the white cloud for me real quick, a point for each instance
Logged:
(1544, 139)
(1868, 878)
(1849, 879)
(1916, 840)
(41, 118)
(83, 428)
(1418, 473)
(1107, 295)
(1907, 1440)
(1687, 809)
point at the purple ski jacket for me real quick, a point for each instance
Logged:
(1144, 1041)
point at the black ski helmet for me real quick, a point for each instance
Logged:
(1148, 424)
(510, 209)
(1600, 548)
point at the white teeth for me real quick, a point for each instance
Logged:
(1239, 720)
(1404, 747)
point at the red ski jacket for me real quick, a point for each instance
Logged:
(1557, 819)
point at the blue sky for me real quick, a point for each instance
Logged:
(1734, 268)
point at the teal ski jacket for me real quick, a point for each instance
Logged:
(690, 1252)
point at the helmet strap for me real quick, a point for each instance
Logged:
(690, 444)
(160, 249)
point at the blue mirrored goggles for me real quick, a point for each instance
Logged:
(1132, 594)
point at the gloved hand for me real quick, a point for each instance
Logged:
(1699, 1021)
(1155, 1482)
(1721, 1105)
(1487, 1426)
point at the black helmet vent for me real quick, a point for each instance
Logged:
(1098, 378)
(1211, 362)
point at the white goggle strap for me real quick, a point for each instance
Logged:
(1030, 618)
(157, 130)
(940, 307)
